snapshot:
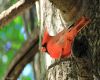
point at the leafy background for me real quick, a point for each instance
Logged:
(12, 36)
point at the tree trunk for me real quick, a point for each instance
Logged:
(84, 64)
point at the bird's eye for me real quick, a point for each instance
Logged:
(44, 45)
(69, 39)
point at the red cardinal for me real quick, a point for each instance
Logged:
(60, 46)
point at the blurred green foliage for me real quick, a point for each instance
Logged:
(9, 3)
(26, 78)
(11, 39)
(12, 36)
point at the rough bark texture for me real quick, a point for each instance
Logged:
(86, 49)
(63, 70)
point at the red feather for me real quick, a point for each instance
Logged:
(61, 44)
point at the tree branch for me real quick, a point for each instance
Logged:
(71, 10)
(9, 14)
(24, 56)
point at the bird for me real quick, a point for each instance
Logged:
(60, 45)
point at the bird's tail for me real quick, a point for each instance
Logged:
(82, 22)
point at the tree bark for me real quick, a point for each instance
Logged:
(86, 51)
